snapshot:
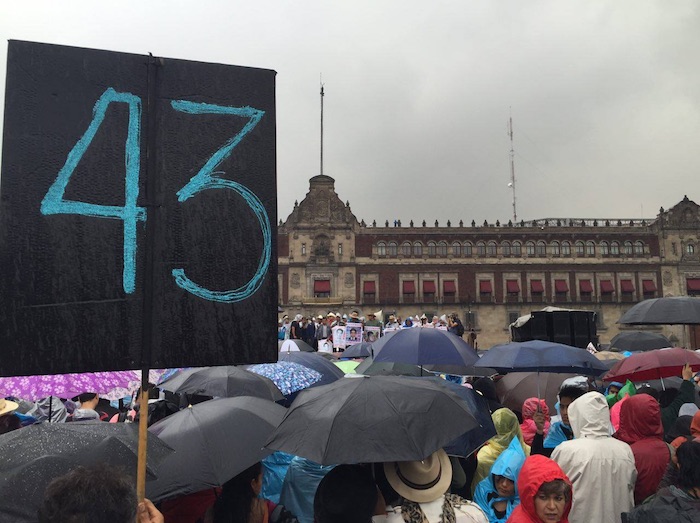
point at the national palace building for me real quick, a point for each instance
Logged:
(488, 273)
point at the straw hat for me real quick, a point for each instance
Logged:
(421, 481)
(354, 315)
(7, 406)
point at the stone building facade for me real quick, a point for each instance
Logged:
(487, 273)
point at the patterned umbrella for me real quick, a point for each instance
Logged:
(110, 385)
(289, 377)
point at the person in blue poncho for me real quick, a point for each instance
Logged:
(497, 494)
(559, 431)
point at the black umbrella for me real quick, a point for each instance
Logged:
(372, 419)
(35, 455)
(293, 346)
(225, 381)
(676, 310)
(369, 367)
(358, 350)
(638, 341)
(473, 439)
(214, 441)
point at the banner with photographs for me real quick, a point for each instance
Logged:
(353, 333)
(372, 334)
(338, 337)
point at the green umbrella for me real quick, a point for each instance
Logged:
(347, 366)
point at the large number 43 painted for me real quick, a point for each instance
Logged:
(130, 213)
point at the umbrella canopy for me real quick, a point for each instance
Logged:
(369, 367)
(675, 310)
(111, 385)
(226, 381)
(639, 341)
(314, 361)
(347, 366)
(541, 356)
(213, 442)
(35, 455)
(294, 346)
(372, 419)
(515, 387)
(609, 359)
(425, 347)
(358, 350)
(654, 364)
(473, 439)
(287, 376)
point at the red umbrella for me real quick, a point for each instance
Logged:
(653, 365)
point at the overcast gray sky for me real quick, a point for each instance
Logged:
(605, 95)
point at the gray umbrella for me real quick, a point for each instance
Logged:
(369, 367)
(213, 442)
(637, 341)
(35, 455)
(676, 310)
(372, 419)
(226, 381)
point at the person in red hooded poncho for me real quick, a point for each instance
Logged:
(545, 493)
(642, 430)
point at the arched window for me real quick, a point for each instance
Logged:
(456, 249)
(442, 249)
(689, 249)
(530, 248)
(417, 249)
(491, 249)
(579, 248)
(554, 249)
(615, 249)
(505, 248)
(628, 248)
(541, 249)
(639, 248)
(590, 249)
(432, 249)
(467, 248)
(604, 248)
(480, 249)
(565, 249)
(381, 249)
(405, 249)
(517, 249)
(393, 249)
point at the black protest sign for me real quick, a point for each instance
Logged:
(137, 212)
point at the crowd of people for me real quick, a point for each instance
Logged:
(315, 329)
(615, 453)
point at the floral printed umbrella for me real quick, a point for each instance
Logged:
(289, 377)
(111, 385)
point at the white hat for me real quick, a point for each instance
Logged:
(7, 406)
(421, 481)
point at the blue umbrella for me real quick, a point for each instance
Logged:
(359, 350)
(314, 361)
(541, 356)
(287, 376)
(425, 347)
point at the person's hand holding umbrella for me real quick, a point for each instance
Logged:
(687, 372)
(539, 419)
(148, 513)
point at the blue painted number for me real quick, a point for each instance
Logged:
(130, 213)
(55, 203)
(206, 179)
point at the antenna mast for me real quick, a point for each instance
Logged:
(512, 166)
(321, 124)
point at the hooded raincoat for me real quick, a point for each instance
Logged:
(508, 464)
(528, 427)
(536, 471)
(601, 468)
(507, 428)
(641, 429)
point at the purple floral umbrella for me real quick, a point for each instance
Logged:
(110, 385)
